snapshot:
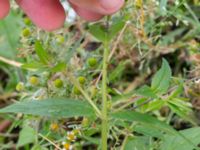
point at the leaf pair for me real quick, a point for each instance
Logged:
(105, 34)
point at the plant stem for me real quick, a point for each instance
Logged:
(10, 62)
(55, 145)
(104, 131)
(75, 82)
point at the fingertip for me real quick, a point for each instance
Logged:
(46, 14)
(103, 7)
(111, 6)
(86, 14)
(4, 8)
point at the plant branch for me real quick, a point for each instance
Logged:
(10, 62)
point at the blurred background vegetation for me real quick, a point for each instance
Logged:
(151, 31)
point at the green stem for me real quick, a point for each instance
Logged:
(104, 132)
(87, 97)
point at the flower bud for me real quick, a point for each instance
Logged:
(20, 86)
(92, 62)
(26, 32)
(34, 80)
(81, 80)
(58, 83)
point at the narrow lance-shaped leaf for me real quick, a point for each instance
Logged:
(42, 54)
(58, 108)
(145, 119)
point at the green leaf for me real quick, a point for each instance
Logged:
(161, 80)
(182, 110)
(42, 54)
(116, 28)
(59, 67)
(138, 143)
(10, 28)
(144, 119)
(99, 32)
(58, 108)
(163, 5)
(102, 34)
(148, 131)
(177, 143)
(38, 147)
(117, 72)
(155, 105)
(26, 136)
(34, 65)
(149, 121)
(146, 91)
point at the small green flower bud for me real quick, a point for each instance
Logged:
(26, 32)
(20, 86)
(60, 39)
(92, 62)
(34, 80)
(27, 21)
(58, 83)
(76, 91)
(81, 80)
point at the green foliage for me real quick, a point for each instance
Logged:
(161, 80)
(146, 91)
(104, 33)
(177, 143)
(10, 33)
(42, 54)
(26, 136)
(63, 85)
(140, 143)
(57, 108)
(144, 119)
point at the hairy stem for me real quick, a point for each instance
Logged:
(104, 131)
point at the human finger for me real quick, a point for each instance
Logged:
(4, 8)
(46, 14)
